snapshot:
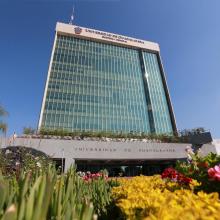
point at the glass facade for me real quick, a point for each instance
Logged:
(96, 86)
(161, 115)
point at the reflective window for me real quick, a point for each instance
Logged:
(161, 115)
(99, 87)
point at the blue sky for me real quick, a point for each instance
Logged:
(188, 33)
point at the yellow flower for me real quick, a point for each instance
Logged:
(151, 198)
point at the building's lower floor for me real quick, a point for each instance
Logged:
(119, 158)
(125, 167)
(117, 168)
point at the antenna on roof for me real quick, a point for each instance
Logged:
(72, 16)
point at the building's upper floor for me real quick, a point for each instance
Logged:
(105, 37)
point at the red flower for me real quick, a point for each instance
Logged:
(183, 179)
(169, 173)
(172, 174)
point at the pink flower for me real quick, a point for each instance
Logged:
(86, 178)
(214, 173)
(94, 176)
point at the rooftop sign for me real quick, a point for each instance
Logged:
(87, 33)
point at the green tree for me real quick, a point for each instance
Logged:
(28, 130)
(3, 125)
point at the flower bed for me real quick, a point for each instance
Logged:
(36, 192)
(153, 198)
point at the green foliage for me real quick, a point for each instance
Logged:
(3, 126)
(28, 130)
(3, 112)
(187, 132)
(198, 170)
(14, 160)
(167, 138)
(45, 195)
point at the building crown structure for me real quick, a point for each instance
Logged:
(100, 81)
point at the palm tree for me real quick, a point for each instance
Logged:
(3, 111)
(3, 126)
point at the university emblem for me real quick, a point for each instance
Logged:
(78, 30)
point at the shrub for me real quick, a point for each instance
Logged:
(167, 138)
(200, 169)
(13, 160)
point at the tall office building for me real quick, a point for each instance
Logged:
(99, 81)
